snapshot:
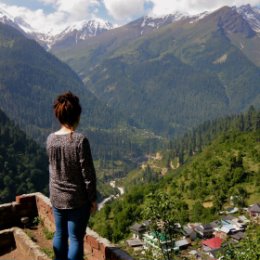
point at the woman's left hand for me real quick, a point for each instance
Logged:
(93, 207)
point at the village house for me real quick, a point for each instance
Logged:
(212, 246)
(158, 240)
(136, 244)
(182, 244)
(212, 243)
(254, 210)
(228, 218)
(240, 223)
(244, 220)
(138, 230)
(237, 236)
(227, 227)
(189, 232)
(221, 235)
(215, 233)
(204, 231)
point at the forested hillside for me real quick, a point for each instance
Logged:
(23, 163)
(175, 77)
(227, 165)
(30, 80)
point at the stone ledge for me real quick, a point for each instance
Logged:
(37, 205)
(16, 238)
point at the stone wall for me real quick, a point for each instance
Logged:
(11, 213)
(37, 205)
(15, 239)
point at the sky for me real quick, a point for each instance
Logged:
(55, 15)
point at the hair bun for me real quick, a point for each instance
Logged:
(61, 99)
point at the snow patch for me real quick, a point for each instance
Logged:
(221, 59)
(199, 17)
(251, 15)
(156, 21)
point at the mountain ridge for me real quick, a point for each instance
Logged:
(30, 75)
(73, 33)
(119, 68)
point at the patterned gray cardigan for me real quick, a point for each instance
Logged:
(72, 173)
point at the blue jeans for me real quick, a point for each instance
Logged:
(70, 225)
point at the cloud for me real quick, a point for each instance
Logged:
(37, 19)
(55, 15)
(161, 7)
(123, 10)
(76, 9)
(47, 2)
(64, 13)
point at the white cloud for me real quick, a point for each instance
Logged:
(123, 9)
(48, 1)
(161, 7)
(76, 9)
(65, 12)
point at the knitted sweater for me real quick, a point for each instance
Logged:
(72, 173)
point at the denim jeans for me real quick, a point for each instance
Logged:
(70, 225)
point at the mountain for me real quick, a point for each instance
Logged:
(249, 45)
(80, 31)
(148, 24)
(30, 79)
(23, 163)
(17, 23)
(173, 77)
(251, 15)
(70, 36)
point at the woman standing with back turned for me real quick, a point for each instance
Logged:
(72, 180)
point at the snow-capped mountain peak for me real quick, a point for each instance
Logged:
(23, 25)
(78, 31)
(16, 22)
(198, 17)
(87, 28)
(251, 15)
(81, 31)
(156, 21)
(5, 15)
(92, 24)
(7, 18)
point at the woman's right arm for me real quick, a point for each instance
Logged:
(88, 170)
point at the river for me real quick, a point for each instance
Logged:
(111, 197)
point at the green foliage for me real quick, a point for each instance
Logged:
(114, 219)
(224, 173)
(164, 212)
(48, 234)
(248, 249)
(31, 78)
(49, 252)
(160, 206)
(193, 141)
(23, 163)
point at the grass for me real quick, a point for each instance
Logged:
(49, 252)
(48, 234)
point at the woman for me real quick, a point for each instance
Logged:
(72, 180)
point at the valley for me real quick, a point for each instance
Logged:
(170, 107)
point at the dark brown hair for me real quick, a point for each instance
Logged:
(67, 109)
